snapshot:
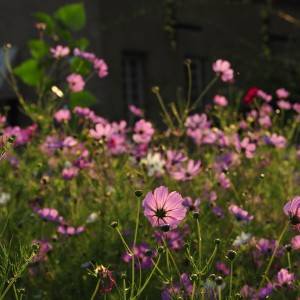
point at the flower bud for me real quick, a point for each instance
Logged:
(219, 280)
(231, 255)
(138, 193)
(114, 224)
(165, 227)
(217, 241)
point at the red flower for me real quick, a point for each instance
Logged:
(250, 95)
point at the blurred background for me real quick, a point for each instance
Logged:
(145, 43)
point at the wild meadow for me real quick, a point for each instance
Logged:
(203, 206)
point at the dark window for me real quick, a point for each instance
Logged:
(134, 78)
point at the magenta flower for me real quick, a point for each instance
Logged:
(70, 230)
(248, 147)
(76, 82)
(190, 204)
(224, 181)
(221, 267)
(239, 213)
(136, 111)
(223, 69)
(101, 131)
(188, 171)
(143, 132)
(62, 115)
(220, 100)
(69, 173)
(284, 105)
(60, 51)
(295, 242)
(282, 93)
(101, 67)
(276, 140)
(49, 214)
(296, 108)
(285, 278)
(142, 259)
(292, 210)
(263, 95)
(174, 158)
(162, 207)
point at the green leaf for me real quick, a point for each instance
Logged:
(29, 72)
(83, 98)
(72, 16)
(82, 43)
(38, 48)
(80, 66)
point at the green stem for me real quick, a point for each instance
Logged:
(133, 258)
(208, 87)
(266, 272)
(230, 282)
(124, 289)
(96, 289)
(219, 293)
(148, 279)
(199, 244)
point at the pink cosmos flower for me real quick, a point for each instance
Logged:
(76, 82)
(282, 93)
(85, 55)
(70, 230)
(248, 147)
(265, 121)
(69, 173)
(60, 51)
(162, 207)
(101, 131)
(136, 111)
(292, 210)
(239, 213)
(143, 132)
(224, 181)
(101, 67)
(221, 267)
(296, 108)
(2, 120)
(188, 171)
(174, 158)
(283, 104)
(223, 69)
(49, 214)
(220, 100)
(62, 115)
(276, 140)
(263, 95)
(69, 142)
(295, 242)
(284, 277)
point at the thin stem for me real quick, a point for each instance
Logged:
(208, 87)
(171, 256)
(124, 242)
(266, 272)
(219, 293)
(96, 289)
(210, 260)
(230, 281)
(189, 73)
(133, 258)
(148, 279)
(124, 289)
(199, 244)
(289, 260)
(193, 291)
(163, 107)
